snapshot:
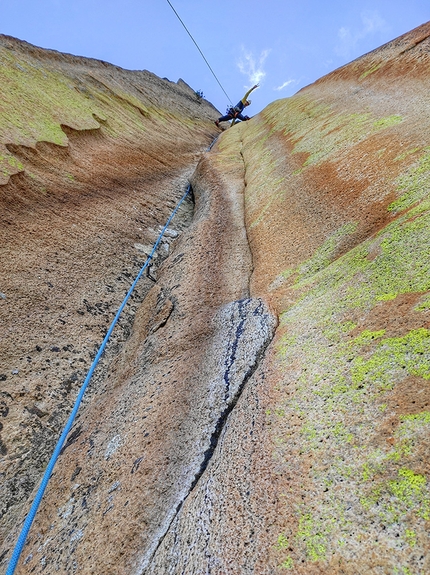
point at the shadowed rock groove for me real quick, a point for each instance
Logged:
(253, 327)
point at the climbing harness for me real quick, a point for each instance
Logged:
(39, 495)
(198, 48)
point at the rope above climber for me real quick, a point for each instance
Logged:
(235, 113)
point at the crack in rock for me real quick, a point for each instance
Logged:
(243, 331)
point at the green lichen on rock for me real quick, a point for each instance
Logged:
(402, 266)
(312, 533)
(410, 490)
(282, 542)
(317, 130)
(338, 405)
(41, 96)
(368, 336)
(404, 499)
(408, 354)
(325, 254)
(411, 537)
(423, 305)
(423, 417)
(322, 257)
(371, 70)
(9, 165)
(387, 122)
(340, 392)
(415, 184)
(345, 365)
(404, 155)
(338, 132)
(288, 563)
(36, 100)
(13, 162)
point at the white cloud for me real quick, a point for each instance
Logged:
(348, 40)
(285, 84)
(252, 66)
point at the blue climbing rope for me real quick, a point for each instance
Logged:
(39, 495)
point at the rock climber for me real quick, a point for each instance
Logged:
(235, 113)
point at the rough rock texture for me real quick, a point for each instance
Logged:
(158, 407)
(269, 412)
(324, 464)
(139, 448)
(93, 160)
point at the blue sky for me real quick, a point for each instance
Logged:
(283, 44)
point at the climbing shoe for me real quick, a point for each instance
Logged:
(217, 123)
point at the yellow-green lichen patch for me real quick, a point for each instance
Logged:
(409, 355)
(322, 257)
(325, 253)
(402, 266)
(404, 500)
(285, 342)
(39, 98)
(282, 278)
(412, 430)
(316, 433)
(393, 499)
(411, 537)
(404, 155)
(338, 390)
(293, 114)
(313, 129)
(387, 122)
(288, 563)
(282, 542)
(35, 101)
(9, 165)
(424, 304)
(317, 131)
(405, 571)
(336, 132)
(371, 70)
(386, 297)
(312, 533)
(423, 417)
(338, 419)
(320, 132)
(13, 162)
(368, 336)
(415, 184)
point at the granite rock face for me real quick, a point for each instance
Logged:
(93, 160)
(324, 464)
(269, 410)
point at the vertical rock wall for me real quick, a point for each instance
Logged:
(323, 465)
(142, 444)
(93, 160)
(270, 409)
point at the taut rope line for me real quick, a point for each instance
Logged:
(198, 48)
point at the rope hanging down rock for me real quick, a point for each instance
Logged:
(39, 495)
(198, 48)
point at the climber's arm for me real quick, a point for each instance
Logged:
(247, 94)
